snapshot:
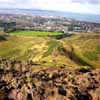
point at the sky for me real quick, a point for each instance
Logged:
(77, 6)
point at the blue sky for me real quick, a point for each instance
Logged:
(80, 6)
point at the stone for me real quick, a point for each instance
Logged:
(62, 91)
(29, 97)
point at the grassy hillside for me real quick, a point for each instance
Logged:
(81, 50)
(87, 47)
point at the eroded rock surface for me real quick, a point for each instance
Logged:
(18, 81)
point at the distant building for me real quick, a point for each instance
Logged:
(97, 29)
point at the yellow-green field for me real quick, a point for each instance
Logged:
(81, 50)
(35, 33)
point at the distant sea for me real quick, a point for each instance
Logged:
(76, 16)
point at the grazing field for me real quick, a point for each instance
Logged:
(35, 33)
(81, 50)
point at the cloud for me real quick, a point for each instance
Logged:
(6, 1)
(80, 6)
(87, 1)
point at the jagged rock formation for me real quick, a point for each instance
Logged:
(19, 81)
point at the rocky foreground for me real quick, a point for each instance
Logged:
(21, 81)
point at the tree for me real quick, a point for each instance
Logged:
(9, 26)
(5, 28)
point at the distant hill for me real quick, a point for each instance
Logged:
(77, 16)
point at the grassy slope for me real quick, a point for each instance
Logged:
(87, 48)
(20, 47)
(76, 51)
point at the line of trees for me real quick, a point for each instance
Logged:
(8, 27)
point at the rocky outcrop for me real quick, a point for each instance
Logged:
(19, 82)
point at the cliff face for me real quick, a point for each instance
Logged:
(29, 81)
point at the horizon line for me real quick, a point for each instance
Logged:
(48, 10)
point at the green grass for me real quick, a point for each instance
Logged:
(87, 48)
(93, 55)
(53, 44)
(83, 60)
(15, 47)
(34, 33)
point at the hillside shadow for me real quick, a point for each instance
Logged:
(76, 58)
(3, 38)
(61, 36)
